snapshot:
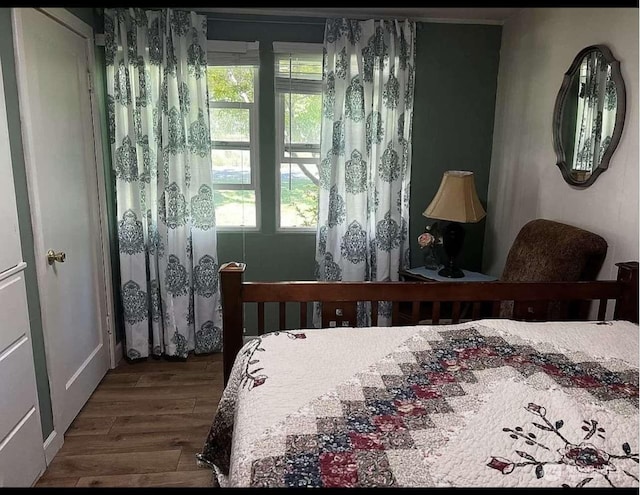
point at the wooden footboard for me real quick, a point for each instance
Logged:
(532, 301)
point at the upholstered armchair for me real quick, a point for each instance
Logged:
(548, 251)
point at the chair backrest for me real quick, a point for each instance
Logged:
(548, 251)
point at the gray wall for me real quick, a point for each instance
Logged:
(24, 212)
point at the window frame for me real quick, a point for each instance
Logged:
(297, 86)
(253, 146)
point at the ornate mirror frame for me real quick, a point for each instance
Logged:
(616, 76)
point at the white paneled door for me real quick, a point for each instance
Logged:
(54, 60)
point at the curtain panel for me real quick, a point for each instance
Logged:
(365, 170)
(158, 112)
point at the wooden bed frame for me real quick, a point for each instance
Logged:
(531, 300)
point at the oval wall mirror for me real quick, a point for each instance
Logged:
(588, 115)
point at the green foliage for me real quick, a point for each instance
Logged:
(302, 198)
(308, 209)
(305, 108)
(231, 83)
(298, 205)
(306, 111)
(228, 196)
(299, 200)
(234, 207)
(230, 124)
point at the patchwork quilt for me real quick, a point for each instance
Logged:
(491, 403)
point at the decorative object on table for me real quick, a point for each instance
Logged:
(428, 242)
(456, 201)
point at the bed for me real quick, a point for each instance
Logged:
(488, 402)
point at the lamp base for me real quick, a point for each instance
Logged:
(453, 238)
(451, 272)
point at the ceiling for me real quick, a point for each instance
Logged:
(433, 14)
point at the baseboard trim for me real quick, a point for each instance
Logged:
(52, 445)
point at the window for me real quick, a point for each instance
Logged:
(232, 78)
(298, 86)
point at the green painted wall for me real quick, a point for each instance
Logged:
(24, 212)
(456, 73)
(456, 77)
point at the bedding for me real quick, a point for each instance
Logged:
(495, 403)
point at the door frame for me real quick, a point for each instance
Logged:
(104, 284)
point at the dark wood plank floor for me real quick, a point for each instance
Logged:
(142, 427)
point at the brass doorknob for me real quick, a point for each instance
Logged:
(52, 257)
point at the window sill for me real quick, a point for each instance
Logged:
(293, 230)
(237, 230)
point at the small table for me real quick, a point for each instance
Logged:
(422, 274)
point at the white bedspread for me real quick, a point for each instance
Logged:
(486, 403)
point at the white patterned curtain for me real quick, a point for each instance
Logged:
(161, 149)
(365, 147)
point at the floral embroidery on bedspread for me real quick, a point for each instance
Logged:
(250, 378)
(354, 447)
(217, 447)
(584, 456)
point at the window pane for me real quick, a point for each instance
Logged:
(304, 115)
(231, 83)
(298, 195)
(301, 66)
(230, 124)
(231, 166)
(235, 208)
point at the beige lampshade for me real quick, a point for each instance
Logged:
(456, 199)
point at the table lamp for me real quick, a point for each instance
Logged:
(457, 202)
